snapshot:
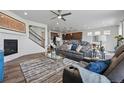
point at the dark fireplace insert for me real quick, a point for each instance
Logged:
(10, 46)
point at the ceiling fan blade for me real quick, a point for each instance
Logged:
(66, 14)
(54, 13)
(53, 18)
(63, 19)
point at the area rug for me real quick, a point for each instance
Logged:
(42, 71)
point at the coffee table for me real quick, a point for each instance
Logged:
(53, 55)
(107, 55)
(66, 61)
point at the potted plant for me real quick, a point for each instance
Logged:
(119, 39)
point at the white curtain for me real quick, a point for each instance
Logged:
(121, 28)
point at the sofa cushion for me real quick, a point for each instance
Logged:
(71, 52)
(85, 48)
(71, 42)
(84, 43)
(64, 47)
(74, 46)
(74, 42)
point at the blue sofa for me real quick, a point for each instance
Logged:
(74, 55)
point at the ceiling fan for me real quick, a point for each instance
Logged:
(59, 15)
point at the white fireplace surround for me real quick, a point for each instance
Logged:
(25, 45)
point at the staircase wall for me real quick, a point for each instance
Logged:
(25, 45)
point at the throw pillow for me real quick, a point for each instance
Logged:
(69, 46)
(74, 46)
(78, 48)
(99, 66)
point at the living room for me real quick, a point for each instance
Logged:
(47, 39)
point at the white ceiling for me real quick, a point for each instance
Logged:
(79, 20)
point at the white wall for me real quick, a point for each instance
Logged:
(39, 25)
(111, 41)
(25, 45)
(122, 28)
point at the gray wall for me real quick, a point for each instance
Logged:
(111, 41)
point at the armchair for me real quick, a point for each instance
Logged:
(114, 72)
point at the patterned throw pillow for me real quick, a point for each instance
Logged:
(79, 48)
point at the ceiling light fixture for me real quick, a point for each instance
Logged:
(25, 13)
(59, 17)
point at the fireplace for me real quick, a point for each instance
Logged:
(10, 46)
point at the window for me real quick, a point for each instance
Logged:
(95, 38)
(120, 32)
(97, 33)
(89, 34)
(107, 32)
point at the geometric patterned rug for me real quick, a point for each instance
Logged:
(43, 70)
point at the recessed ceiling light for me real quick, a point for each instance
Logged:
(57, 23)
(25, 13)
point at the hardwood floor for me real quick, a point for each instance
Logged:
(13, 73)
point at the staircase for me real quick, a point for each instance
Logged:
(36, 38)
